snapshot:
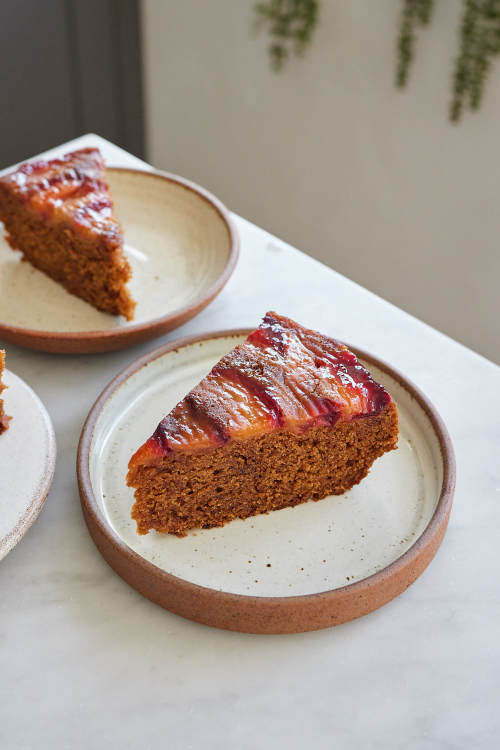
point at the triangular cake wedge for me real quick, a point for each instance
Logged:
(287, 416)
(4, 419)
(59, 213)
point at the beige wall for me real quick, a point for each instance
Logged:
(329, 156)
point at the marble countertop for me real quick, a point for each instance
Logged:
(86, 662)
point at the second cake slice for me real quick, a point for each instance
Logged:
(59, 213)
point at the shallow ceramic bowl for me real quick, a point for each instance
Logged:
(181, 243)
(27, 461)
(303, 568)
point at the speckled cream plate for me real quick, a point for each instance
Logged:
(27, 461)
(182, 245)
(303, 568)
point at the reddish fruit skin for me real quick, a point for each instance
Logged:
(283, 377)
(71, 188)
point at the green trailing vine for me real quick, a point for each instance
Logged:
(479, 43)
(415, 13)
(291, 24)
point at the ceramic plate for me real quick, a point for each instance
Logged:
(27, 461)
(182, 246)
(302, 568)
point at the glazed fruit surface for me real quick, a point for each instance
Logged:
(283, 377)
(73, 187)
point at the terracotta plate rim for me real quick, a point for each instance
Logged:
(266, 614)
(88, 342)
(14, 536)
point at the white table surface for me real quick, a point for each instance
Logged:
(86, 662)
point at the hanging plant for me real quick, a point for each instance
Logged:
(291, 24)
(415, 13)
(479, 43)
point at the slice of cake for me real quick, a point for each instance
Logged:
(288, 416)
(4, 419)
(59, 213)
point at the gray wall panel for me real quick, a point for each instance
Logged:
(69, 67)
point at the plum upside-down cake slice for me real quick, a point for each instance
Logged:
(4, 419)
(59, 213)
(287, 416)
